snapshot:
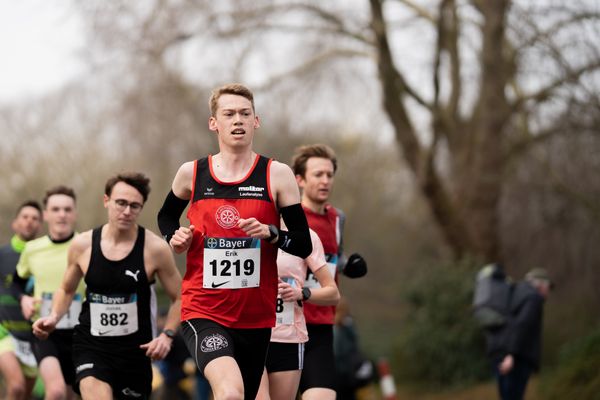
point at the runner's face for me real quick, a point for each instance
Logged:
(124, 205)
(60, 215)
(234, 121)
(317, 183)
(27, 223)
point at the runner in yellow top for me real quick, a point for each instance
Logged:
(46, 260)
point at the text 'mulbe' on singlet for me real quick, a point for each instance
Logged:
(230, 277)
(120, 306)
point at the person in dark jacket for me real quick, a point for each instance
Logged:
(515, 348)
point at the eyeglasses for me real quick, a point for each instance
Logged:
(133, 206)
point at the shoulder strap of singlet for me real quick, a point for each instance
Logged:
(200, 169)
(96, 237)
(138, 246)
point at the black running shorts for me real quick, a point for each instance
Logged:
(207, 340)
(59, 344)
(319, 364)
(127, 371)
(285, 357)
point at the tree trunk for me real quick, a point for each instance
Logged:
(394, 90)
(484, 169)
(468, 219)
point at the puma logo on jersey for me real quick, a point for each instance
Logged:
(133, 275)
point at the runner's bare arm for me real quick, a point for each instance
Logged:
(283, 185)
(328, 294)
(21, 276)
(182, 183)
(170, 278)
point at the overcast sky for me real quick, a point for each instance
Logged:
(39, 44)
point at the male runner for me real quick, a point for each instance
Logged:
(229, 290)
(114, 341)
(315, 167)
(46, 260)
(17, 363)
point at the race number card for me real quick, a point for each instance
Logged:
(113, 314)
(231, 263)
(70, 319)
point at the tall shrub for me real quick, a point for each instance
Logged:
(440, 344)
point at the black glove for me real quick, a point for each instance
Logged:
(355, 267)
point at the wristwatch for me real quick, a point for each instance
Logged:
(170, 333)
(273, 233)
(306, 293)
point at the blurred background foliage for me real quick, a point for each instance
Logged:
(466, 132)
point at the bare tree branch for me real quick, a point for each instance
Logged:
(309, 65)
(253, 20)
(546, 34)
(547, 92)
(420, 11)
(563, 124)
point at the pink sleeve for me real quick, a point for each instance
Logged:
(316, 260)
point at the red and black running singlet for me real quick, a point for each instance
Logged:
(327, 226)
(231, 278)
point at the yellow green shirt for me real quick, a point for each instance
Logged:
(46, 261)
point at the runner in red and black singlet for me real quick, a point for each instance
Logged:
(328, 227)
(315, 167)
(230, 287)
(222, 258)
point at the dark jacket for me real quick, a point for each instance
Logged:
(522, 335)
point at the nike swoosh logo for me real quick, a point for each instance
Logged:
(100, 333)
(216, 285)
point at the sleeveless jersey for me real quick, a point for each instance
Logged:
(119, 311)
(230, 278)
(327, 226)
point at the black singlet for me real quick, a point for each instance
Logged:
(107, 317)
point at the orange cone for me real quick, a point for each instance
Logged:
(386, 380)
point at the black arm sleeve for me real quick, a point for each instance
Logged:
(168, 216)
(18, 287)
(296, 240)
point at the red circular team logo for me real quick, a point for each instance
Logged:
(227, 216)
